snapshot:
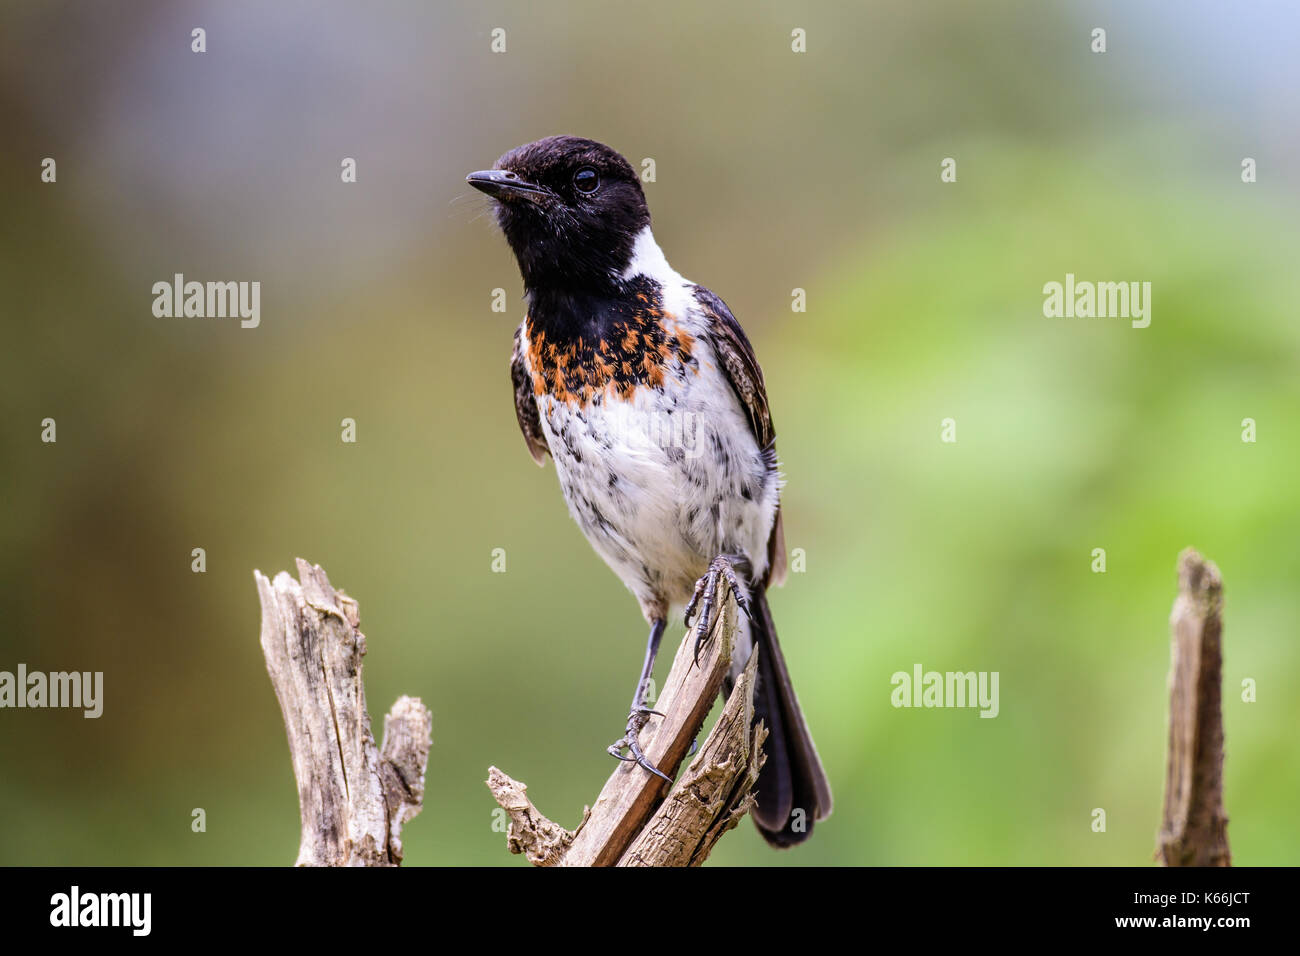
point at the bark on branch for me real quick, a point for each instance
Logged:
(354, 798)
(1194, 831)
(631, 822)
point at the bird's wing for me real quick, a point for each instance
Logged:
(530, 423)
(740, 366)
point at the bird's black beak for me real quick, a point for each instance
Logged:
(503, 184)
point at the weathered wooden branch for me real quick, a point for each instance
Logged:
(631, 824)
(714, 792)
(353, 797)
(1194, 831)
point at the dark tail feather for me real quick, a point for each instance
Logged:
(792, 790)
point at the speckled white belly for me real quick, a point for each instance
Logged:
(662, 483)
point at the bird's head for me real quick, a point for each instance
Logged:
(571, 210)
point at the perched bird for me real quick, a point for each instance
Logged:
(645, 391)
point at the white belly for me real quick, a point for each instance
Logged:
(664, 482)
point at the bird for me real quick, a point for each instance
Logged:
(646, 393)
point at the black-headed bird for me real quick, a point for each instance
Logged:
(643, 388)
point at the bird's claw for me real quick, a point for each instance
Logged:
(635, 721)
(707, 587)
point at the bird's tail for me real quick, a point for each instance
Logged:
(792, 790)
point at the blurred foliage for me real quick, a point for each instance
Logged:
(774, 171)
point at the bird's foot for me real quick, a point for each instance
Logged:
(629, 741)
(707, 587)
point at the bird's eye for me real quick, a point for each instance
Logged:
(586, 180)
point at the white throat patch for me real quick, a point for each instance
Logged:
(648, 260)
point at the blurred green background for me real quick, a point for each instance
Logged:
(775, 170)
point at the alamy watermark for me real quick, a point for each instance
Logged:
(208, 300)
(682, 432)
(75, 908)
(77, 689)
(1102, 300)
(922, 688)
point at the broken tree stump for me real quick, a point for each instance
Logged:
(1194, 829)
(353, 797)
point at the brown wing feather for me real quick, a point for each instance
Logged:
(741, 367)
(530, 423)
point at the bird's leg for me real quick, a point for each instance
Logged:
(639, 714)
(720, 567)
